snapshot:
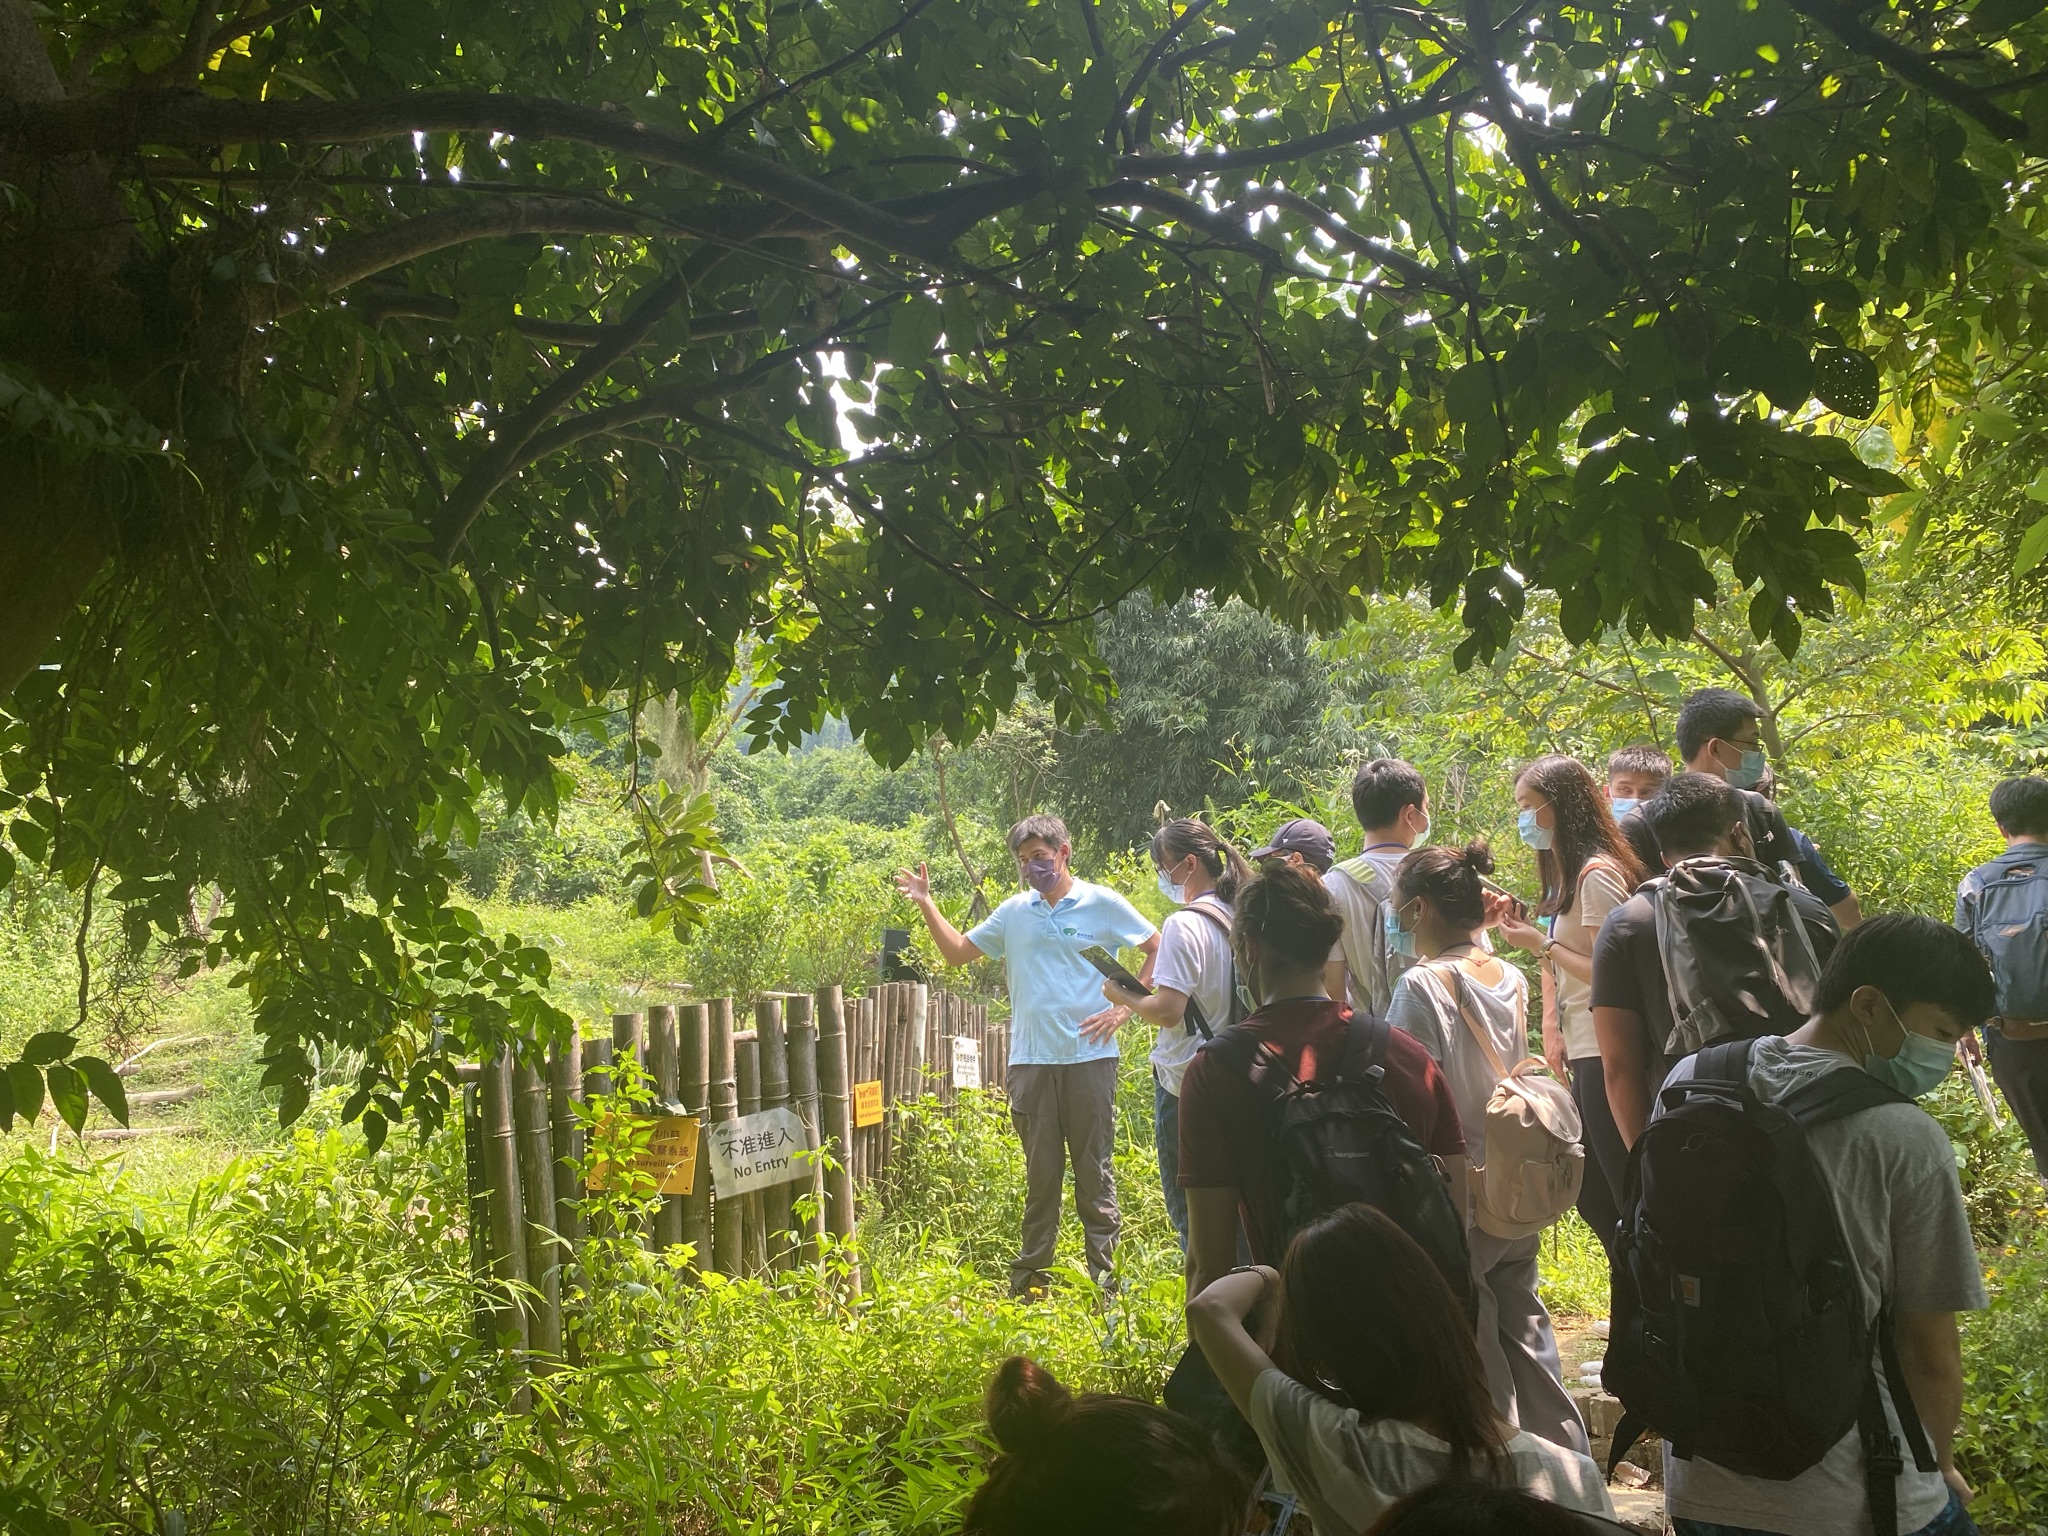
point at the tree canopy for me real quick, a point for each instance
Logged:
(385, 388)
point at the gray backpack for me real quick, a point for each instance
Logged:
(1737, 957)
(2008, 919)
(1370, 878)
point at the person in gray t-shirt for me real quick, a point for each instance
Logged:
(1893, 1000)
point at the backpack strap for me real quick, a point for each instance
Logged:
(1208, 909)
(1478, 1031)
(1365, 1049)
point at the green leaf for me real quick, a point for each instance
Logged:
(1468, 394)
(27, 1084)
(48, 1046)
(292, 1099)
(6, 1103)
(67, 1095)
(2033, 546)
(914, 331)
(106, 1085)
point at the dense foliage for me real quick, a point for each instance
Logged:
(384, 387)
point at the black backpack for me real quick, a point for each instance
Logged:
(1340, 1140)
(1738, 961)
(1738, 1329)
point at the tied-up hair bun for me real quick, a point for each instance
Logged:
(1025, 1406)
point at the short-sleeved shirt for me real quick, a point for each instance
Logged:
(1425, 1005)
(1052, 989)
(1348, 1472)
(1891, 1174)
(1227, 1123)
(1194, 958)
(1370, 971)
(2019, 856)
(1628, 970)
(1600, 890)
(1815, 872)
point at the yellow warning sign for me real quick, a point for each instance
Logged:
(669, 1160)
(867, 1104)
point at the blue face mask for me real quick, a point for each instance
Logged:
(1177, 894)
(1400, 941)
(1751, 773)
(1919, 1066)
(1535, 835)
(1622, 805)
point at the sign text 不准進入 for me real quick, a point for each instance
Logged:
(756, 1151)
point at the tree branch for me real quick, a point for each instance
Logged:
(1199, 164)
(377, 306)
(767, 99)
(119, 122)
(510, 440)
(1858, 36)
(1153, 55)
(354, 257)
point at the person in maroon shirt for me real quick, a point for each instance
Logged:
(1284, 929)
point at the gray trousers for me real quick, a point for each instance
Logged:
(1062, 1112)
(1517, 1345)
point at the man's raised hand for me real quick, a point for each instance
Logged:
(917, 886)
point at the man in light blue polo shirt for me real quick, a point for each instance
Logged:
(1063, 1051)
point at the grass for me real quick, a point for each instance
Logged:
(252, 1332)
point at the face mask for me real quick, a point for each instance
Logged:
(1422, 836)
(1400, 940)
(1919, 1066)
(1623, 805)
(1177, 894)
(1042, 875)
(1537, 837)
(1751, 773)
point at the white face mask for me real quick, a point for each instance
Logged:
(1173, 892)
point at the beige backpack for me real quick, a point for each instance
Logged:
(1534, 1160)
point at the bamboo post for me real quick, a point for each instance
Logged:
(728, 1229)
(920, 1024)
(597, 1084)
(629, 1038)
(476, 1177)
(565, 1092)
(889, 1027)
(508, 1244)
(803, 1098)
(565, 1089)
(770, 1026)
(537, 1187)
(693, 1075)
(662, 1049)
(869, 1018)
(597, 1067)
(835, 1108)
(746, 1060)
(856, 1014)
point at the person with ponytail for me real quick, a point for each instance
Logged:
(1588, 869)
(1194, 980)
(1374, 1388)
(1097, 1465)
(1439, 916)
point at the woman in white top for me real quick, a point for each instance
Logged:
(1192, 979)
(1439, 914)
(1588, 869)
(1377, 1390)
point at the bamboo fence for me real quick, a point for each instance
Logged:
(811, 1054)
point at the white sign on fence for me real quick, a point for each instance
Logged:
(756, 1151)
(966, 1062)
